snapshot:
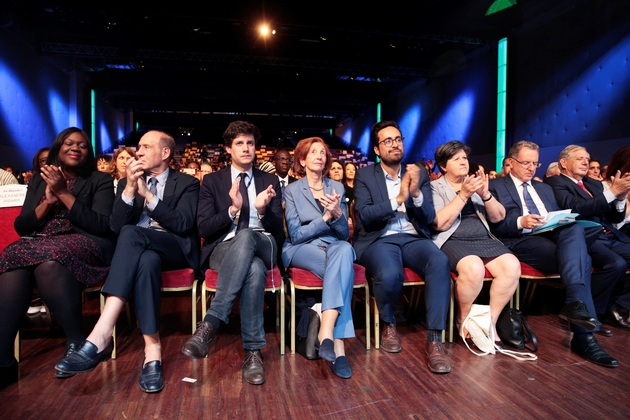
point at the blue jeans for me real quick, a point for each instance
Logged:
(242, 264)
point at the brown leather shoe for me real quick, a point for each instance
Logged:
(615, 318)
(253, 371)
(389, 340)
(199, 344)
(438, 362)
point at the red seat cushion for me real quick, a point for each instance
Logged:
(178, 278)
(528, 270)
(411, 276)
(212, 277)
(305, 278)
(7, 217)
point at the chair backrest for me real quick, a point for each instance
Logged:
(7, 217)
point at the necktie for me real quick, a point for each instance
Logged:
(243, 221)
(282, 189)
(581, 185)
(145, 217)
(531, 206)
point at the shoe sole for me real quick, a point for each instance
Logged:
(589, 326)
(152, 391)
(192, 356)
(389, 350)
(63, 375)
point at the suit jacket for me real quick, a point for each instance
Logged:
(505, 192)
(175, 213)
(89, 215)
(213, 220)
(595, 208)
(443, 194)
(373, 207)
(304, 218)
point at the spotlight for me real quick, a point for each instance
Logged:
(264, 30)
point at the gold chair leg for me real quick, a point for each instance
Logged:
(16, 347)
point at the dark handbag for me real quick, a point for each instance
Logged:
(514, 330)
(306, 346)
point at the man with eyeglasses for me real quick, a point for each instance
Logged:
(563, 250)
(395, 209)
(609, 248)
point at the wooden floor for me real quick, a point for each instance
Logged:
(559, 385)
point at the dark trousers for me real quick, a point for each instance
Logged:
(242, 263)
(385, 260)
(611, 259)
(562, 251)
(141, 255)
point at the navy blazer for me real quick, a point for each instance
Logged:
(505, 192)
(305, 223)
(175, 213)
(595, 208)
(213, 220)
(373, 207)
(89, 215)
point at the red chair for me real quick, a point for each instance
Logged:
(172, 281)
(9, 235)
(305, 280)
(410, 279)
(535, 277)
(273, 282)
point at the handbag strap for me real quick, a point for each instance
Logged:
(517, 354)
(529, 334)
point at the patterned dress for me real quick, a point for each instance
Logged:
(471, 238)
(57, 241)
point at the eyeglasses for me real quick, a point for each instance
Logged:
(389, 142)
(526, 164)
(283, 159)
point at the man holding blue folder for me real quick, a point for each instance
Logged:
(563, 250)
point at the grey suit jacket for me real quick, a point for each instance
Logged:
(443, 194)
(304, 218)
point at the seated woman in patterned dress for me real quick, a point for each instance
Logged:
(66, 244)
(462, 203)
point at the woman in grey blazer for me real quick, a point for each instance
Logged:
(462, 203)
(317, 224)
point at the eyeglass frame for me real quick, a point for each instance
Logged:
(526, 164)
(283, 159)
(398, 140)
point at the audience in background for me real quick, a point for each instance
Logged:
(336, 171)
(594, 170)
(104, 163)
(119, 164)
(552, 170)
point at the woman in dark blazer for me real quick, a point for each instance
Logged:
(317, 224)
(463, 206)
(66, 243)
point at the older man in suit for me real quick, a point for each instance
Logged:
(239, 214)
(610, 249)
(395, 209)
(527, 202)
(155, 220)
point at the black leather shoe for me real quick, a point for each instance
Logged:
(199, 344)
(615, 318)
(586, 346)
(70, 348)
(605, 331)
(9, 374)
(253, 370)
(576, 313)
(85, 358)
(151, 379)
